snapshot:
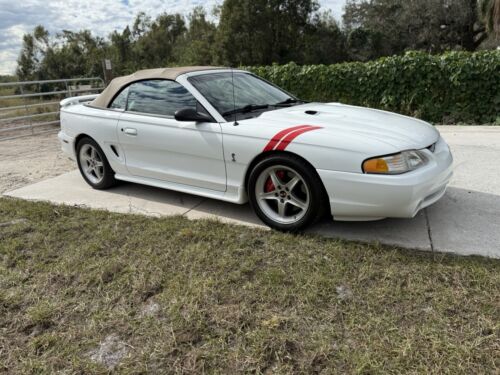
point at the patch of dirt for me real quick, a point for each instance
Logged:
(27, 160)
(13, 222)
(150, 309)
(110, 352)
(344, 293)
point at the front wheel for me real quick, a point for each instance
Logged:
(285, 193)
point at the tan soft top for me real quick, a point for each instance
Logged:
(115, 86)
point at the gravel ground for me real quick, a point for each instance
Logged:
(24, 161)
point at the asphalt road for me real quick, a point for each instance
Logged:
(466, 221)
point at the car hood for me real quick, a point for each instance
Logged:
(358, 124)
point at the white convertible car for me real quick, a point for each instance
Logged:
(230, 135)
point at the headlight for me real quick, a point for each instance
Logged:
(403, 162)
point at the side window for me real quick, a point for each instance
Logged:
(120, 102)
(159, 97)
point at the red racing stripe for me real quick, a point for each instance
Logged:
(275, 140)
(291, 136)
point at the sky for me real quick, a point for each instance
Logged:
(99, 16)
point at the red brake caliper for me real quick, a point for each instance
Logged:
(269, 183)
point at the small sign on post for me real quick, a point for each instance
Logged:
(108, 70)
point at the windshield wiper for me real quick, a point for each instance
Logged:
(246, 109)
(288, 102)
(256, 107)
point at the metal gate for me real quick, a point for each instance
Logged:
(32, 107)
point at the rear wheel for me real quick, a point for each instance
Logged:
(285, 193)
(93, 164)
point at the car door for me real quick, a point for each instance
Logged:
(157, 146)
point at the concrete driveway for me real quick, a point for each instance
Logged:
(466, 221)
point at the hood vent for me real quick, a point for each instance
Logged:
(312, 113)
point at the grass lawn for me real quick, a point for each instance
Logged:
(88, 291)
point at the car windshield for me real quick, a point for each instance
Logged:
(250, 92)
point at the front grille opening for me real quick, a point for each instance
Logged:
(432, 147)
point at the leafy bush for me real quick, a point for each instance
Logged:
(457, 87)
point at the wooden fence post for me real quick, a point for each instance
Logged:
(108, 71)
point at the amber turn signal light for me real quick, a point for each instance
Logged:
(375, 166)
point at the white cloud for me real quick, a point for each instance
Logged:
(10, 42)
(99, 16)
(8, 62)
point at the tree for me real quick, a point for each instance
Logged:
(196, 45)
(364, 45)
(121, 52)
(70, 54)
(490, 11)
(155, 41)
(142, 24)
(33, 51)
(324, 42)
(76, 54)
(262, 31)
(394, 26)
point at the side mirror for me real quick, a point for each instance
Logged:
(190, 114)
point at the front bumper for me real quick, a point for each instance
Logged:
(364, 197)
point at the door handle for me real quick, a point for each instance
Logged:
(130, 131)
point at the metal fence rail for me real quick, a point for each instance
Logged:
(26, 107)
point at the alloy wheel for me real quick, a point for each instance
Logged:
(282, 194)
(92, 163)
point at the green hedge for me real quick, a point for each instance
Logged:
(457, 87)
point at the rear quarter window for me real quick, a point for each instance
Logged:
(120, 101)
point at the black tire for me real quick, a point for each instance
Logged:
(108, 178)
(318, 202)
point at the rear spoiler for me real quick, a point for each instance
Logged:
(77, 100)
